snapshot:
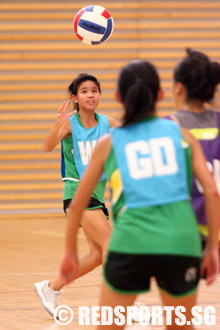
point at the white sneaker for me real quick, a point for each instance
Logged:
(49, 297)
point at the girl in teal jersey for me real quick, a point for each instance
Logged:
(78, 131)
(155, 229)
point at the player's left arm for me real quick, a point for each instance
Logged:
(210, 263)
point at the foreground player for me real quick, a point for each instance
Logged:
(78, 132)
(155, 229)
(195, 82)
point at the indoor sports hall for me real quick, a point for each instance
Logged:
(39, 56)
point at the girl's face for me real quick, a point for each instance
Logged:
(87, 96)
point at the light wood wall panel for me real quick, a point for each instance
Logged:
(39, 57)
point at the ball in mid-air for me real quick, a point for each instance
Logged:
(93, 25)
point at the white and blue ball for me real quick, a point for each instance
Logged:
(93, 25)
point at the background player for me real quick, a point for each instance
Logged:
(195, 82)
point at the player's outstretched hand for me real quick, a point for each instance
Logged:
(210, 265)
(63, 113)
(69, 268)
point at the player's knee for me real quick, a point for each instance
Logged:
(96, 257)
(104, 252)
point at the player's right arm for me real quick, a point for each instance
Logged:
(60, 130)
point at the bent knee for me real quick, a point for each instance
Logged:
(96, 257)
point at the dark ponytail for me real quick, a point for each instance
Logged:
(138, 86)
(74, 86)
(199, 75)
(215, 73)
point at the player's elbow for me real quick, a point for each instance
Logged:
(213, 193)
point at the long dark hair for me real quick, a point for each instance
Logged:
(199, 75)
(138, 86)
(74, 86)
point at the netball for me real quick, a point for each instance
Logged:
(93, 25)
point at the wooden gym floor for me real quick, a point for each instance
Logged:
(31, 249)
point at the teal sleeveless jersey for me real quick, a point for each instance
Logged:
(161, 227)
(84, 140)
(69, 171)
(150, 154)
